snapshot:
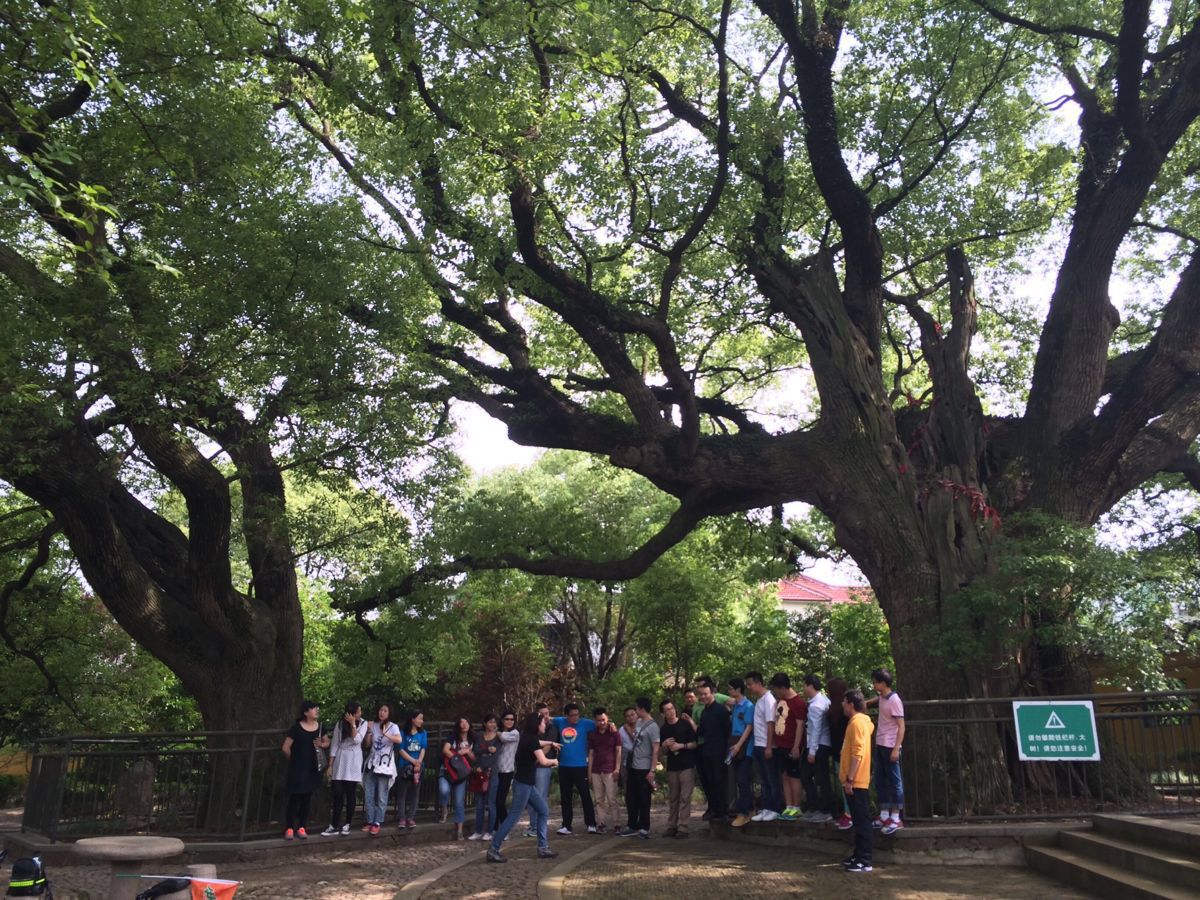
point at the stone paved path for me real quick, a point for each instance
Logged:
(516, 878)
(704, 869)
(10, 819)
(360, 874)
(697, 869)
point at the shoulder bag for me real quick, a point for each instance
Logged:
(479, 781)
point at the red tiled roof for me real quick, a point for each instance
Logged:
(802, 588)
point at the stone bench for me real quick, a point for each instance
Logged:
(133, 855)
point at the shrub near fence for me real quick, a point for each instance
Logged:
(200, 785)
(1150, 759)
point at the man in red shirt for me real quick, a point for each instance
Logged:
(791, 709)
(604, 762)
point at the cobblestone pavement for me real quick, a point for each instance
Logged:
(360, 874)
(703, 869)
(698, 869)
(518, 878)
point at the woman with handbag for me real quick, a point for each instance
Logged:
(304, 746)
(458, 758)
(413, 745)
(379, 771)
(345, 767)
(485, 779)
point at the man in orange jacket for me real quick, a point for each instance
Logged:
(855, 775)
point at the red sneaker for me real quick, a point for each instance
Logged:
(892, 826)
(844, 823)
(289, 835)
(374, 829)
(302, 834)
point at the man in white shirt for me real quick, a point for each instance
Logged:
(818, 785)
(764, 732)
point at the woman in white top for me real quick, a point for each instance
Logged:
(346, 766)
(380, 770)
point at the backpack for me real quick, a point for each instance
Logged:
(456, 769)
(28, 879)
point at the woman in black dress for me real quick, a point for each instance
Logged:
(303, 777)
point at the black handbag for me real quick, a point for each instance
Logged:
(321, 754)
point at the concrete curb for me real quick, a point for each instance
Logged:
(62, 853)
(550, 887)
(417, 886)
(981, 845)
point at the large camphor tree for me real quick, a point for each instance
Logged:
(638, 215)
(173, 338)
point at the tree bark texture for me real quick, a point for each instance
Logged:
(238, 653)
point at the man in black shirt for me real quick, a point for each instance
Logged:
(714, 729)
(679, 746)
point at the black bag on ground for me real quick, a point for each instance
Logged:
(170, 886)
(28, 879)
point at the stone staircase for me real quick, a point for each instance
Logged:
(1126, 857)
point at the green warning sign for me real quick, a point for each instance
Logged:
(1056, 730)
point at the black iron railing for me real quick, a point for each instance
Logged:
(1150, 759)
(206, 785)
(230, 785)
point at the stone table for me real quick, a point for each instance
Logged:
(133, 855)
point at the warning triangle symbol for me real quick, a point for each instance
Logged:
(1054, 722)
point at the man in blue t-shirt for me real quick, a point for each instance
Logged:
(741, 759)
(572, 766)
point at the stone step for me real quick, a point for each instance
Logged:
(1164, 863)
(1177, 834)
(1102, 878)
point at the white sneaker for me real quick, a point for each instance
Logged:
(346, 828)
(329, 831)
(758, 816)
(592, 829)
(487, 836)
(565, 830)
(769, 815)
(474, 836)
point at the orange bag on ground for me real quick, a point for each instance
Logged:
(213, 890)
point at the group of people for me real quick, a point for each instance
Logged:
(785, 738)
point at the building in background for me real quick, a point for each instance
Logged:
(800, 595)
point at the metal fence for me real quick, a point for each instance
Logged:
(1150, 759)
(199, 785)
(230, 785)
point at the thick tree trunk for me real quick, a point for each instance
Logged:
(237, 653)
(956, 766)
